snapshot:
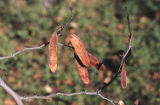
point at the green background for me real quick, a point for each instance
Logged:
(102, 27)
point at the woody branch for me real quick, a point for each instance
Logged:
(19, 98)
(125, 55)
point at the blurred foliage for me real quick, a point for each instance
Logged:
(102, 26)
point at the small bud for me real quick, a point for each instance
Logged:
(121, 102)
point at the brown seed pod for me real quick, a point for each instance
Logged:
(52, 49)
(83, 73)
(96, 62)
(123, 77)
(79, 49)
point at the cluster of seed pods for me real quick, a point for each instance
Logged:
(83, 58)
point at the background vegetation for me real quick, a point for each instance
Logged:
(102, 26)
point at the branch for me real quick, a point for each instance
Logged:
(129, 27)
(19, 99)
(11, 92)
(40, 47)
(32, 48)
(68, 95)
(65, 45)
(127, 53)
(23, 50)
(65, 25)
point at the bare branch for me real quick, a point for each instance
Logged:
(11, 92)
(32, 48)
(40, 47)
(23, 50)
(27, 98)
(129, 27)
(125, 56)
(19, 99)
(65, 25)
(65, 45)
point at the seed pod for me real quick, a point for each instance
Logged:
(123, 77)
(96, 62)
(83, 73)
(52, 49)
(79, 49)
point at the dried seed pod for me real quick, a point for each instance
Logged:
(79, 49)
(83, 73)
(123, 77)
(52, 49)
(96, 62)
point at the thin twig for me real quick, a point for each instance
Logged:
(65, 45)
(27, 98)
(11, 92)
(32, 48)
(126, 53)
(65, 25)
(129, 27)
(23, 50)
